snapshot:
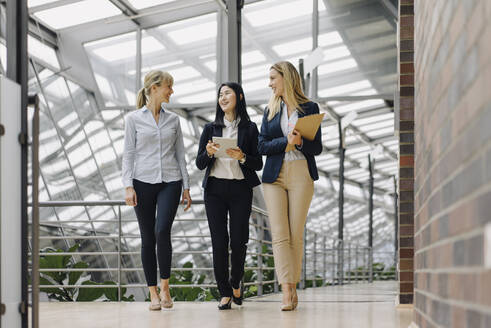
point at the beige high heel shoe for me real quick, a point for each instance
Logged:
(165, 304)
(154, 304)
(294, 298)
(288, 306)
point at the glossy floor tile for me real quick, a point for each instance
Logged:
(358, 305)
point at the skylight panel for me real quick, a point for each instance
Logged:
(280, 12)
(329, 39)
(140, 4)
(130, 95)
(345, 88)
(212, 65)
(373, 119)
(127, 49)
(293, 47)
(335, 53)
(380, 132)
(198, 98)
(194, 33)
(57, 89)
(337, 66)
(183, 73)
(161, 67)
(252, 57)
(256, 71)
(255, 85)
(77, 13)
(41, 51)
(358, 105)
(151, 44)
(191, 87)
(369, 29)
(103, 84)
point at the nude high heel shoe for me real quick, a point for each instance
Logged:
(154, 304)
(288, 306)
(165, 304)
(294, 298)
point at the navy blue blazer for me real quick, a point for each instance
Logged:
(247, 138)
(272, 143)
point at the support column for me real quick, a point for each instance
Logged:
(234, 10)
(315, 43)
(17, 62)
(406, 151)
(342, 151)
(370, 218)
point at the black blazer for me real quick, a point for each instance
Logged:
(247, 138)
(272, 143)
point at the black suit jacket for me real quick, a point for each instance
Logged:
(272, 143)
(247, 138)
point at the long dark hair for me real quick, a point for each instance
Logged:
(240, 105)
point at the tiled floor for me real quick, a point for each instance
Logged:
(361, 305)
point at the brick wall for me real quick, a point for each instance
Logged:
(452, 164)
(406, 152)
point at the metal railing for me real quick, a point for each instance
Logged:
(258, 226)
(326, 261)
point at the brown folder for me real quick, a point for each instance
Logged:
(307, 126)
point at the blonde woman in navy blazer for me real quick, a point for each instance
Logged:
(288, 178)
(228, 184)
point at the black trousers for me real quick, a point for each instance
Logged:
(233, 197)
(156, 208)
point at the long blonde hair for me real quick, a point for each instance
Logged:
(292, 89)
(152, 78)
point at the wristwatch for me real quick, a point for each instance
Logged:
(242, 161)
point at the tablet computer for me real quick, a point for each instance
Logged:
(225, 143)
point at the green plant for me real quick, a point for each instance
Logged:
(59, 278)
(378, 269)
(251, 275)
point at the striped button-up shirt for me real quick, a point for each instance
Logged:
(153, 152)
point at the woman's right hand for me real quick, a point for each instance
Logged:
(130, 197)
(212, 148)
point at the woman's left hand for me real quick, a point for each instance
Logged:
(295, 138)
(235, 153)
(186, 197)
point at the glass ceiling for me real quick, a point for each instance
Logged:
(82, 126)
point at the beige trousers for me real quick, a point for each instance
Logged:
(288, 201)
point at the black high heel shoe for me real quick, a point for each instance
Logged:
(238, 300)
(226, 306)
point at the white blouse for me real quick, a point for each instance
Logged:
(228, 168)
(287, 125)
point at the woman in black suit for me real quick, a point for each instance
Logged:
(228, 184)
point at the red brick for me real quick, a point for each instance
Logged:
(407, 68)
(406, 252)
(406, 287)
(405, 231)
(407, 79)
(407, 160)
(406, 264)
(407, 32)
(406, 276)
(407, 103)
(407, 21)
(406, 184)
